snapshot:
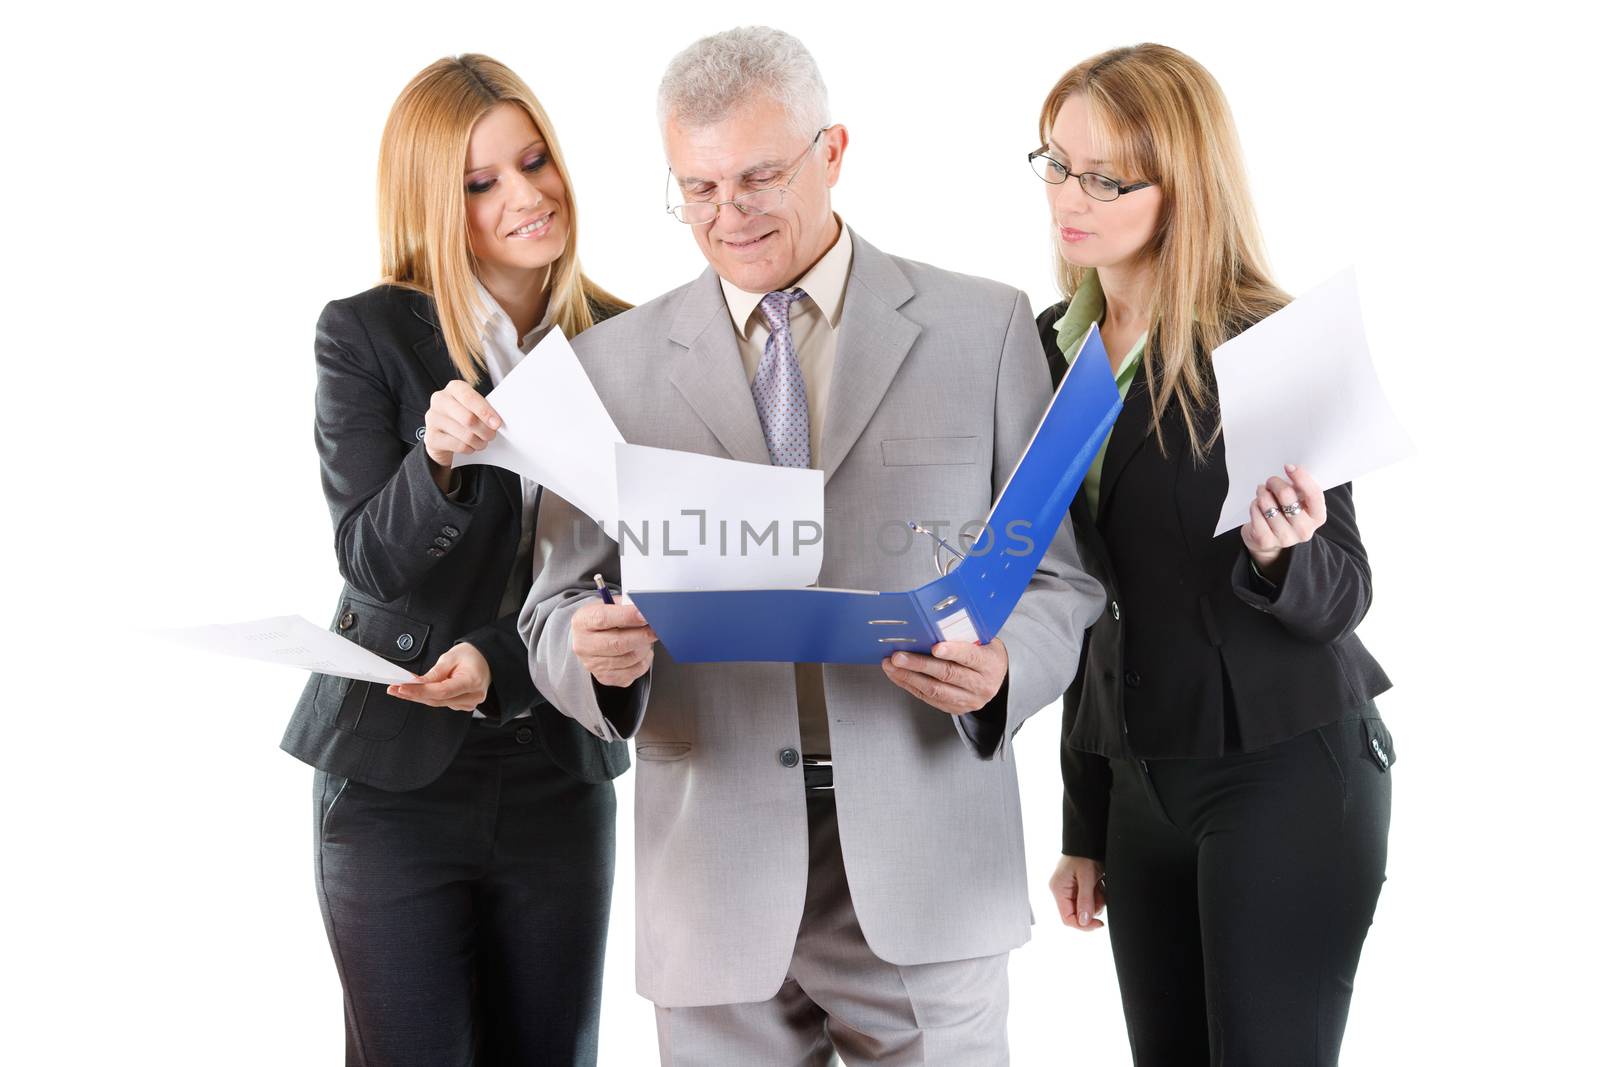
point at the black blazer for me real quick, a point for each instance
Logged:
(421, 571)
(1190, 636)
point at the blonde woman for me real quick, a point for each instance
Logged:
(464, 828)
(1226, 772)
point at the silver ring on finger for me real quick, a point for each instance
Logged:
(1270, 512)
(1291, 510)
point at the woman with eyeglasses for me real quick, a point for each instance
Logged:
(464, 828)
(1226, 772)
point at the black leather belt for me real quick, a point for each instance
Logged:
(819, 773)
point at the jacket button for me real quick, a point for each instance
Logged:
(1116, 612)
(404, 642)
(524, 735)
(789, 757)
(1131, 679)
(450, 531)
(422, 431)
(442, 542)
(347, 620)
(435, 552)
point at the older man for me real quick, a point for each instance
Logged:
(829, 857)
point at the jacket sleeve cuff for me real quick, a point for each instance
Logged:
(1323, 593)
(1081, 837)
(621, 707)
(1086, 802)
(1250, 585)
(511, 689)
(984, 730)
(435, 509)
(610, 713)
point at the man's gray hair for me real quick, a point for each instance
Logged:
(717, 75)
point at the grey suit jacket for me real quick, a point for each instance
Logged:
(938, 385)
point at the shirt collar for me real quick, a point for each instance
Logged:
(493, 322)
(1087, 307)
(824, 283)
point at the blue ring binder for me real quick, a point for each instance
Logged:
(972, 602)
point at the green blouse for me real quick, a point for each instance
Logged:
(1087, 307)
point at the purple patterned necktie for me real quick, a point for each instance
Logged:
(780, 388)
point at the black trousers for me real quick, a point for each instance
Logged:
(1239, 891)
(468, 917)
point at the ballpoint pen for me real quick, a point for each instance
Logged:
(605, 594)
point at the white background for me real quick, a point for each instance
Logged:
(185, 188)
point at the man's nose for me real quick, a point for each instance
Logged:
(729, 218)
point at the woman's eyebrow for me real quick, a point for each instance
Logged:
(1068, 155)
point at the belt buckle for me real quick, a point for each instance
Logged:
(822, 776)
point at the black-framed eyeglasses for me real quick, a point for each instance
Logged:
(755, 202)
(1094, 185)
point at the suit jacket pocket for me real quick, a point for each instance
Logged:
(366, 710)
(929, 451)
(662, 751)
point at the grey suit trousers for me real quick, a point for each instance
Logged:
(838, 996)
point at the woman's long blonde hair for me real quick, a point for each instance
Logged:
(1162, 118)
(422, 215)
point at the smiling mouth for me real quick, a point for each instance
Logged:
(740, 246)
(537, 228)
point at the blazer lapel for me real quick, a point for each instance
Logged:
(710, 375)
(1133, 428)
(430, 349)
(441, 370)
(873, 341)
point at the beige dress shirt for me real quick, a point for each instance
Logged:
(814, 325)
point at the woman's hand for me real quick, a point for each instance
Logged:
(458, 420)
(1282, 515)
(460, 680)
(1079, 892)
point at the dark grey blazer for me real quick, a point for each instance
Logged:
(421, 571)
(1190, 636)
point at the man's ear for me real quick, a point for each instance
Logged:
(835, 139)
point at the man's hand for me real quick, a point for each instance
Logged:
(959, 677)
(613, 642)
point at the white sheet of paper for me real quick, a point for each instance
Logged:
(555, 430)
(761, 526)
(293, 641)
(1299, 387)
